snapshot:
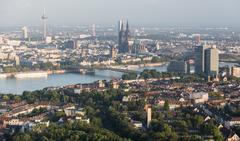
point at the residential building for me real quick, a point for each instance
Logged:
(199, 97)
(137, 124)
(235, 71)
(113, 53)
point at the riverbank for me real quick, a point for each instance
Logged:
(135, 67)
(33, 74)
(18, 86)
(36, 74)
(153, 64)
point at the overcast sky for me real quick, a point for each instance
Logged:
(139, 12)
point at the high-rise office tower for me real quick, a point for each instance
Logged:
(206, 61)
(1, 40)
(44, 19)
(24, 32)
(198, 39)
(211, 62)
(123, 39)
(149, 116)
(199, 59)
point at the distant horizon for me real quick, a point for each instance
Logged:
(131, 25)
(108, 12)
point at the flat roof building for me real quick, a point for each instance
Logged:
(235, 71)
(199, 59)
(178, 67)
(211, 62)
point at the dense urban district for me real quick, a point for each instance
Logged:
(196, 99)
(151, 106)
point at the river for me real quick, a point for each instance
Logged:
(17, 86)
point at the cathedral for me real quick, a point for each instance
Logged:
(124, 38)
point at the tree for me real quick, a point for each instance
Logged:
(181, 125)
(56, 116)
(197, 121)
(17, 98)
(46, 66)
(29, 97)
(76, 131)
(196, 138)
(211, 129)
(129, 76)
(5, 98)
(147, 74)
(166, 106)
(22, 137)
(96, 122)
(155, 59)
(164, 133)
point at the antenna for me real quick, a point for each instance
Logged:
(44, 18)
(44, 14)
(94, 30)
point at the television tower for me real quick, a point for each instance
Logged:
(44, 19)
(94, 30)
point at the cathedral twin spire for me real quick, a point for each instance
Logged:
(124, 37)
(122, 26)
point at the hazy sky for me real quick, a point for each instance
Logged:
(152, 12)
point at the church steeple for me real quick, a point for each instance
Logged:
(122, 26)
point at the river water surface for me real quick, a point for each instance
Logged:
(17, 86)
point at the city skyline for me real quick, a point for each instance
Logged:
(153, 12)
(119, 70)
